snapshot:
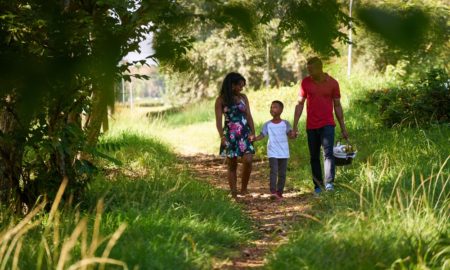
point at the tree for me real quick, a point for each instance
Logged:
(63, 61)
(289, 29)
(411, 36)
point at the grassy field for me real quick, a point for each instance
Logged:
(148, 213)
(390, 210)
(392, 206)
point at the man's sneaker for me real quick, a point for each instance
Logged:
(317, 190)
(329, 187)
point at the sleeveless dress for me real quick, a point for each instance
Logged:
(236, 131)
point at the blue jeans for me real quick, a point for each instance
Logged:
(324, 137)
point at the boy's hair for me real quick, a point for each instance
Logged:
(279, 103)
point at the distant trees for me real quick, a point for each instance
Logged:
(398, 37)
(285, 34)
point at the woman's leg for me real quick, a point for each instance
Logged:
(232, 175)
(246, 171)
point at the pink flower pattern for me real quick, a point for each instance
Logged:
(236, 132)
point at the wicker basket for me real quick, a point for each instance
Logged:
(342, 158)
(338, 161)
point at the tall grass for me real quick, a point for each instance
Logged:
(51, 240)
(174, 221)
(390, 208)
(404, 226)
(149, 213)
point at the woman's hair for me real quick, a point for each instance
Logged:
(226, 92)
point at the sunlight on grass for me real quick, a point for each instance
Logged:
(53, 241)
(149, 213)
(391, 207)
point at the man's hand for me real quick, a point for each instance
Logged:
(344, 134)
(293, 134)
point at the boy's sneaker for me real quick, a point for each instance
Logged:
(280, 195)
(317, 191)
(329, 187)
(273, 195)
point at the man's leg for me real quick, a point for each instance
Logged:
(282, 167)
(273, 162)
(314, 153)
(327, 139)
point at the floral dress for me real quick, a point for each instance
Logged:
(236, 131)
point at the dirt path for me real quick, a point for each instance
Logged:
(273, 219)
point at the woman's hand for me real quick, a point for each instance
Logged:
(223, 140)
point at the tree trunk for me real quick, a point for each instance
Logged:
(11, 150)
(96, 118)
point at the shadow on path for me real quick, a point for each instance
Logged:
(272, 218)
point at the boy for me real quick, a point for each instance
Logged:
(278, 131)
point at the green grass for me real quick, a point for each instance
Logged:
(172, 220)
(391, 207)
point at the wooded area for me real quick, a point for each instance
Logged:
(63, 70)
(61, 61)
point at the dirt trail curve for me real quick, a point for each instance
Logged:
(272, 218)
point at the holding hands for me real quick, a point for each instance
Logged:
(223, 140)
(292, 134)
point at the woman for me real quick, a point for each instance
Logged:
(238, 132)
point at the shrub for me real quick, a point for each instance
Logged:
(417, 103)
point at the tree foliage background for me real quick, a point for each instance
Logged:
(60, 63)
(404, 39)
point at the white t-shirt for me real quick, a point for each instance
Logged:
(277, 146)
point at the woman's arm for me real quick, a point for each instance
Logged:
(219, 111)
(249, 115)
(258, 138)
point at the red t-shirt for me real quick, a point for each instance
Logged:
(319, 101)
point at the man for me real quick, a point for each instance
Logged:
(323, 94)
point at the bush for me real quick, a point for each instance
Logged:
(418, 103)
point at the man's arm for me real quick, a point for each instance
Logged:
(249, 116)
(340, 116)
(298, 112)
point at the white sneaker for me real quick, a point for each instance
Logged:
(329, 187)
